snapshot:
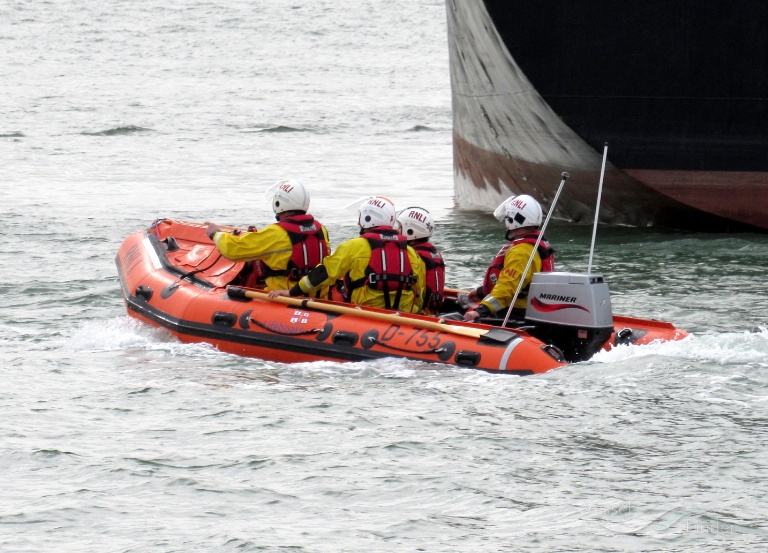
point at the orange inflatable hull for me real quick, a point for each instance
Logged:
(172, 276)
(629, 330)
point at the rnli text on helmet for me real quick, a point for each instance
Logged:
(418, 216)
(377, 202)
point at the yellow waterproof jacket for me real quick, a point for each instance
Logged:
(271, 244)
(352, 258)
(515, 261)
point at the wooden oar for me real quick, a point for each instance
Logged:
(454, 291)
(307, 303)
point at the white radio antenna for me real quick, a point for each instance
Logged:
(597, 208)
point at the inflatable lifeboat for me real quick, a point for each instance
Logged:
(172, 276)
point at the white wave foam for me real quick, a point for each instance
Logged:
(725, 348)
(386, 367)
(120, 333)
(115, 334)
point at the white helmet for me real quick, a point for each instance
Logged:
(289, 195)
(415, 223)
(377, 211)
(518, 212)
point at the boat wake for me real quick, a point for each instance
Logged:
(737, 348)
(127, 333)
(115, 334)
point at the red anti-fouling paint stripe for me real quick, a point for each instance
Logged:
(548, 307)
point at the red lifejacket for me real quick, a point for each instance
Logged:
(309, 246)
(546, 253)
(389, 268)
(435, 275)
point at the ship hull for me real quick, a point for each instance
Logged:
(679, 91)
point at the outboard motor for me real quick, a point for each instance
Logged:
(571, 311)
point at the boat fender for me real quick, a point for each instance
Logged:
(345, 338)
(467, 358)
(224, 318)
(144, 292)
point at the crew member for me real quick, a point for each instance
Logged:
(282, 252)
(522, 217)
(417, 225)
(378, 268)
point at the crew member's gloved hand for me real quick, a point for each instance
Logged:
(479, 311)
(470, 316)
(212, 229)
(464, 301)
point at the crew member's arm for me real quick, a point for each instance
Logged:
(270, 240)
(420, 272)
(327, 239)
(310, 282)
(211, 229)
(333, 267)
(509, 279)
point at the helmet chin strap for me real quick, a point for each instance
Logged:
(285, 214)
(514, 233)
